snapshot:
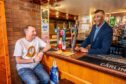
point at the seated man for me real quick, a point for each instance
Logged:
(28, 56)
(100, 38)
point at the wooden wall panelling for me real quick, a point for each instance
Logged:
(4, 57)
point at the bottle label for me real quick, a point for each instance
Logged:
(54, 76)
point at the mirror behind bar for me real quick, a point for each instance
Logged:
(110, 61)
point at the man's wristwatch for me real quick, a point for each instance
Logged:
(33, 60)
(42, 51)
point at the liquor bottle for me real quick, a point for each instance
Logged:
(54, 75)
(112, 21)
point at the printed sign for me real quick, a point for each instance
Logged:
(45, 24)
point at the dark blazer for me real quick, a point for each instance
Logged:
(102, 42)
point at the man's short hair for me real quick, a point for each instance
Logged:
(26, 28)
(99, 10)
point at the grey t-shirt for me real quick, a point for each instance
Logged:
(28, 50)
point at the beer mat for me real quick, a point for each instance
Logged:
(65, 53)
(106, 61)
(113, 58)
(58, 52)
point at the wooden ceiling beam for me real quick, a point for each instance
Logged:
(42, 2)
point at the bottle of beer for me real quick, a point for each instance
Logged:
(54, 75)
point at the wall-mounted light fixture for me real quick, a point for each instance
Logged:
(67, 16)
(57, 14)
(75, 18)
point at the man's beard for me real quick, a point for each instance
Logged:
(33, 36)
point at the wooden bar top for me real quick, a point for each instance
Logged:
(74, 59)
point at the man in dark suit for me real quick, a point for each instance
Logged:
(100, 37)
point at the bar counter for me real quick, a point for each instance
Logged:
(81, 72)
